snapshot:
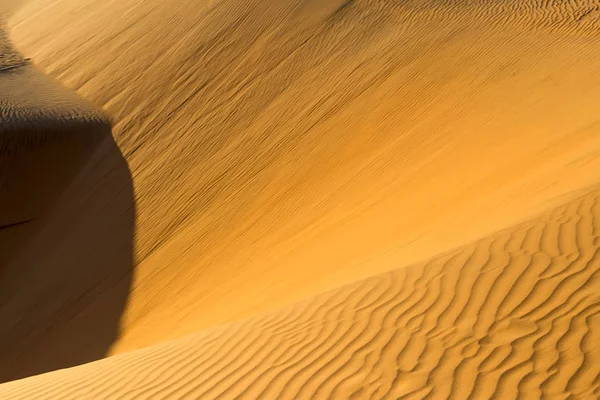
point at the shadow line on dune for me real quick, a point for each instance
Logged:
(67, 219)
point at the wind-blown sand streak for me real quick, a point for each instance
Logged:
(515, 315)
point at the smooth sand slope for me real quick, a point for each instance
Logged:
(281, 149)
(515, 315)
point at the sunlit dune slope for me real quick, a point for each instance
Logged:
(279, 149)
(515, 315)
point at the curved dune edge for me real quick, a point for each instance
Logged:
(58, 165)
(46, 134)
(515, 315)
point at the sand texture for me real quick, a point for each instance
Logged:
(279, 179)
(515, 315)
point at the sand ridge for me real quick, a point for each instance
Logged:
(56, 153)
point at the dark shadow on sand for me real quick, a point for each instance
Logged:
(67, 213)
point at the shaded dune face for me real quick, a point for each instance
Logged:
(45, 137)
(66, 197)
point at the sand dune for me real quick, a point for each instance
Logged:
(45, 132)
(9, 58)
(59, 169)
(302, 145)
(267, 152)
(515, 315)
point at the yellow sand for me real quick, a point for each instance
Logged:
(281, 149)
(515, 315)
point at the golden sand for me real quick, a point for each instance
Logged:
(266, 153)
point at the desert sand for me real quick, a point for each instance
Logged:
(515, 315)
(300, 198)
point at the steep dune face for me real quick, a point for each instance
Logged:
(46, 133)
(60, 171)
(515, 315)
(279, 149)
(66, 276)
